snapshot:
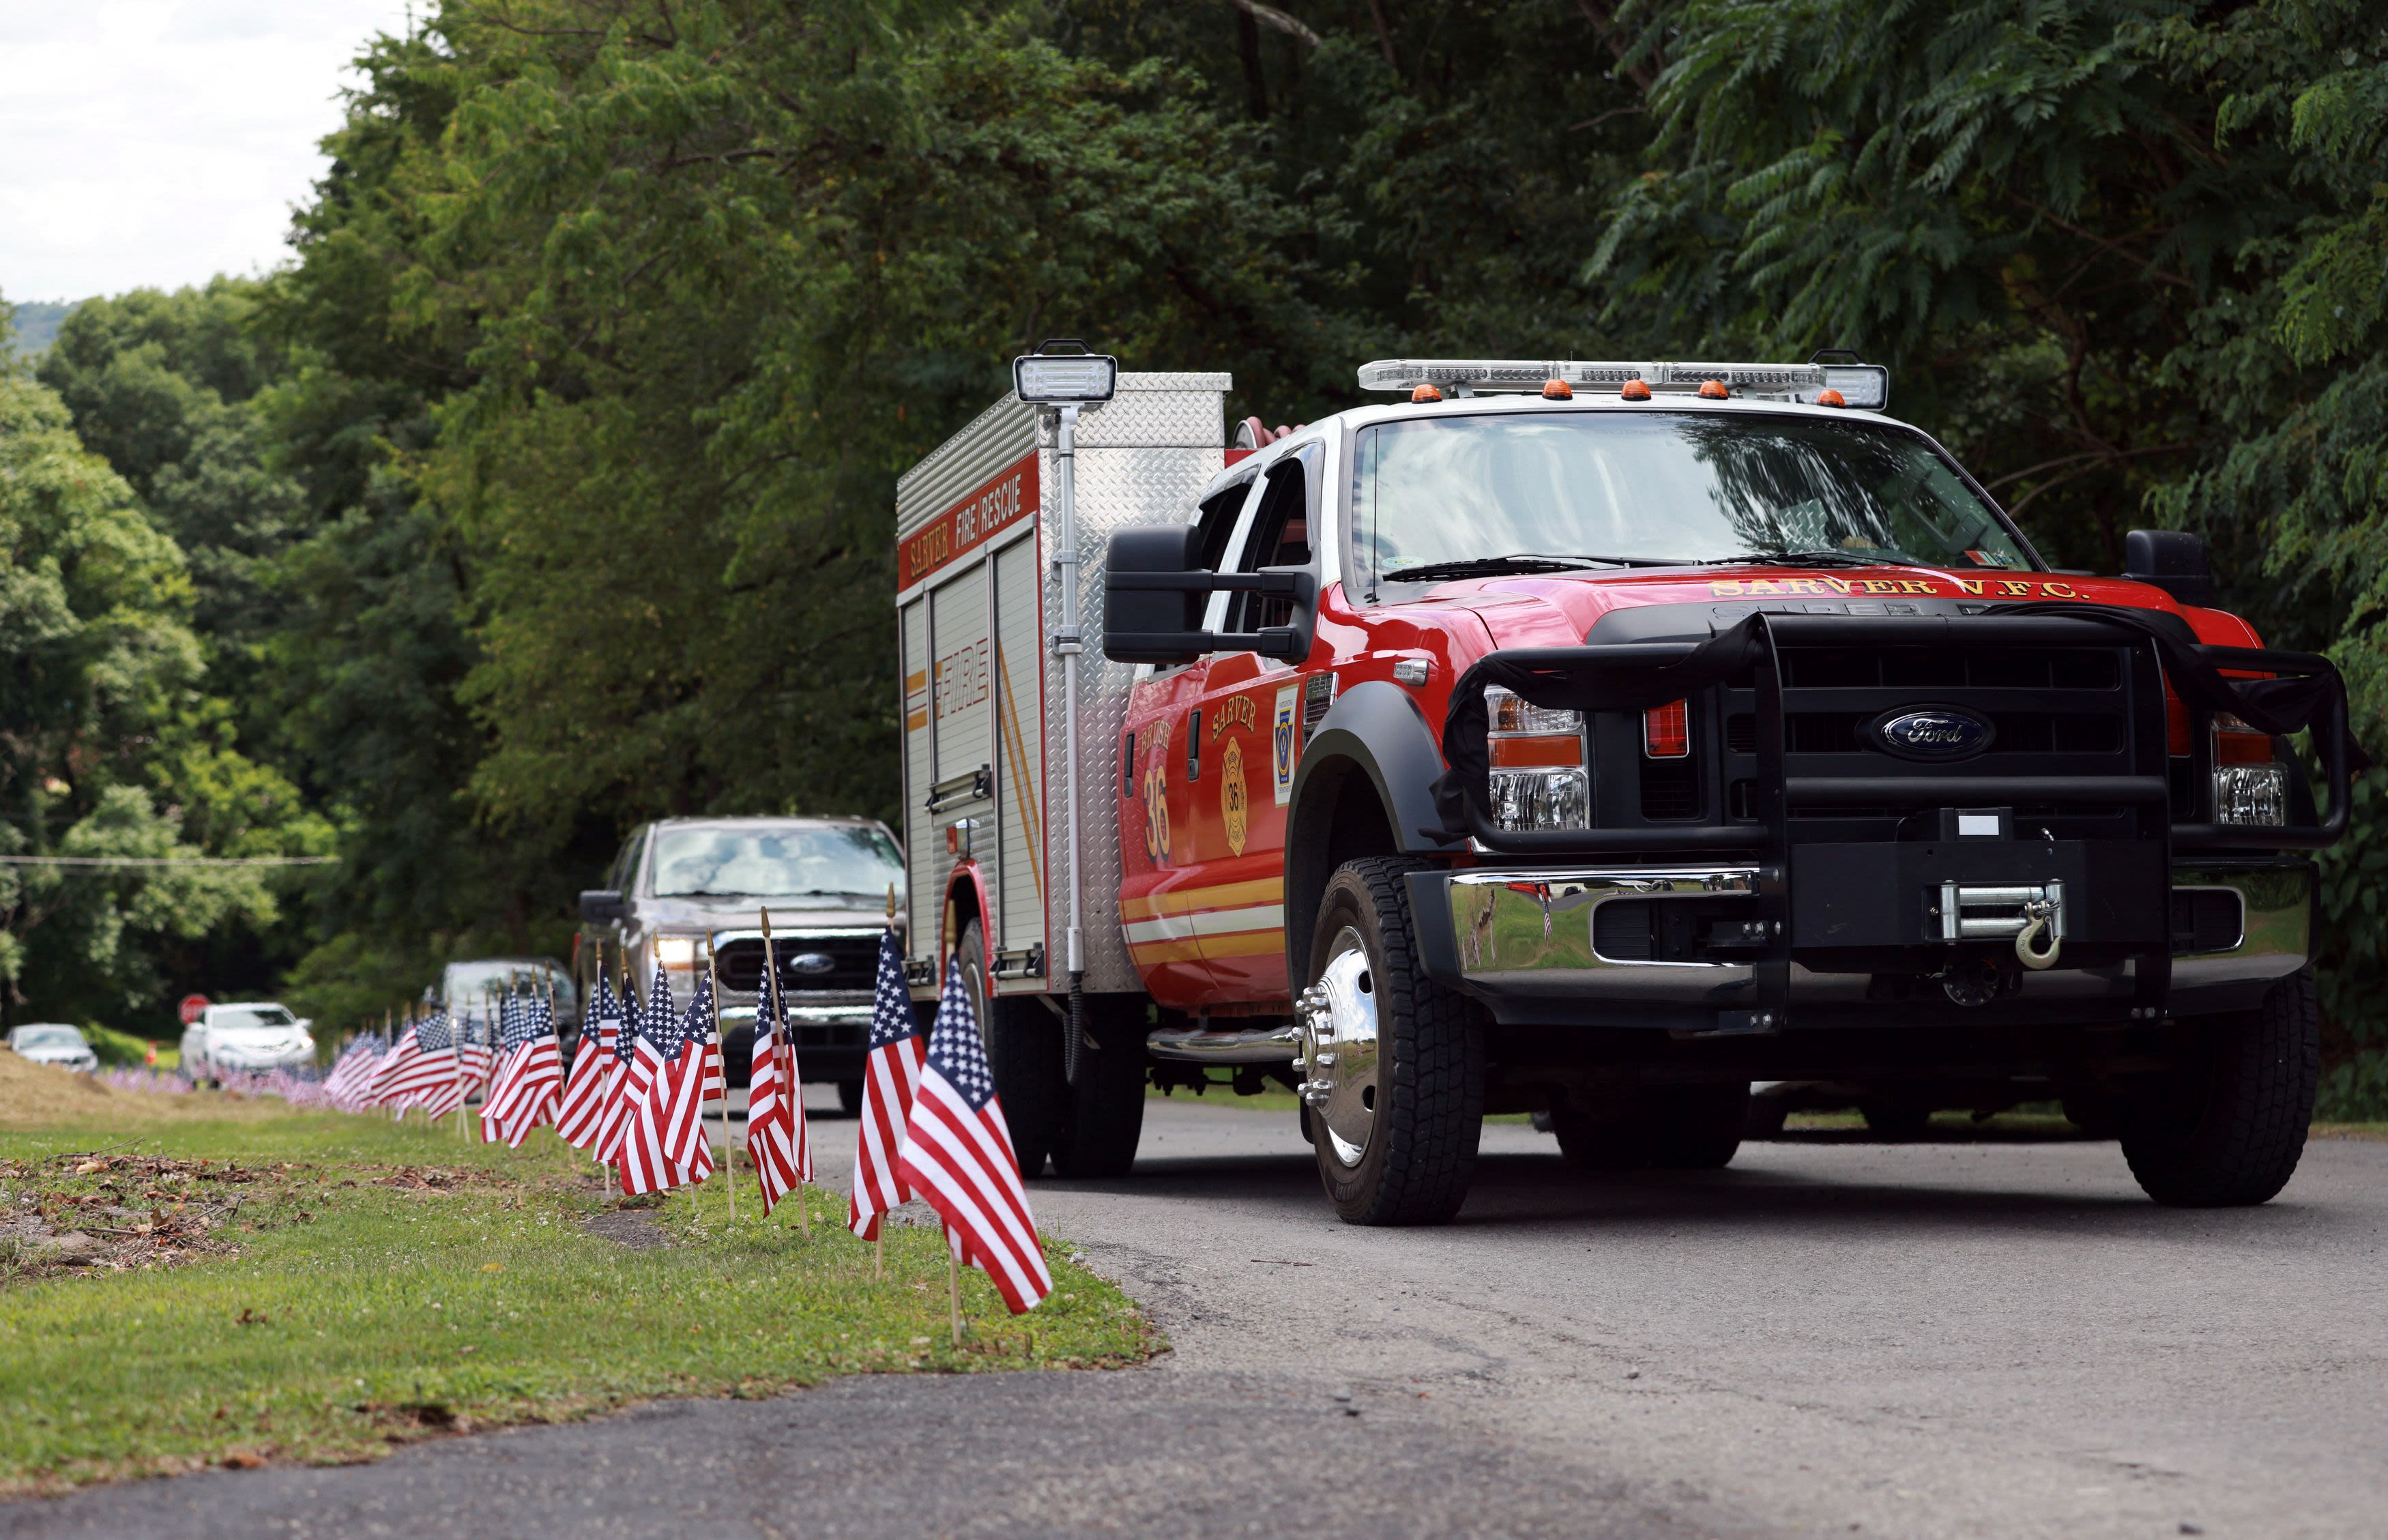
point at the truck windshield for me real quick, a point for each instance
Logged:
(783, 863)
(469, 983)
(1433, 498)
(248, 1016)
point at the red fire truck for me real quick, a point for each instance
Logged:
(1595, 740)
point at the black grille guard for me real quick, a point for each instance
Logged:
(2304, 691)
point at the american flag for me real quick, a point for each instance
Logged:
(479, 1061)
(775, 1101)
(429, 1077)
(393, 1067)
(582, 1111)
(345, 1086)
(533, 1070)
(663, 1141)
(614, 1121)
(957, 1157)
(890, 1075)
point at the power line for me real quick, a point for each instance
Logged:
(105, 862)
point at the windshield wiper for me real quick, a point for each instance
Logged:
(1521, 563)
(1805, 558)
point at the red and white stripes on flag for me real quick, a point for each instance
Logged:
(346, 1086)
(664, 1143)
(890, 1075)
(582, 1111)
(775, 1099)
(424, 1071)
(392, 1068)
(529, 1096)
(614, 1123)
(957, 1157)
(522, 1096)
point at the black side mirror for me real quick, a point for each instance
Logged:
(1153, 591)
(603, 905)
(2172, 560)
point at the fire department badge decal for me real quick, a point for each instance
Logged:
(1235, 802)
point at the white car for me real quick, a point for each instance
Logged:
(252, 1036)
(53, 1043)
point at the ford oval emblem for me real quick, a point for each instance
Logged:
(1933, 733)
(811, 962)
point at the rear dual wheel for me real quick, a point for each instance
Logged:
(1090, 1130)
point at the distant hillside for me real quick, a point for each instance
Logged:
(37, 325)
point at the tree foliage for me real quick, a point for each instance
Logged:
(547, 488)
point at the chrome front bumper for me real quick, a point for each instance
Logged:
(1523, 936)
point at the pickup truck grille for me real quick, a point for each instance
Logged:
(1951, 668)
(2097, 731)
(2056, 711)
(854, 964)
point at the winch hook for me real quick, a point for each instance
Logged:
(2038, 919)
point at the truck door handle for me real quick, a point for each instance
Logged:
(1194, 744)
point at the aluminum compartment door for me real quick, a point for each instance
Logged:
(920, 866)
(961, 664)
(1019, 869)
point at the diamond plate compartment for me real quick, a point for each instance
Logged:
(1143, 460)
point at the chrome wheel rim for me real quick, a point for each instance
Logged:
(1338, 1049)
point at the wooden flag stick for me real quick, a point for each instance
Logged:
(879, 1251)
(954, 1286)
(729, 1149)
(767, 988)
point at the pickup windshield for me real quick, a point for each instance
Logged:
(1435, 499)
(830, 860)
(249, 1017)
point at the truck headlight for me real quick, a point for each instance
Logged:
(2252, 793)
(1540, 779)
(675, 952)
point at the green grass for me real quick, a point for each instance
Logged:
(360, 1313)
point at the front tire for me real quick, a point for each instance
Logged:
(1395, 1060)
(2227, 1127)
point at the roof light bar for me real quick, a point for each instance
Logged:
(1865, 386)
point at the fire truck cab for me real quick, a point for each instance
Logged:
(1596, 739)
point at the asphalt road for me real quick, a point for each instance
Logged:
(1829, 1338)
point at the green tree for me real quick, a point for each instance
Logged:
(100, 717)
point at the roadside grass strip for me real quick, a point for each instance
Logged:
(379, 1283)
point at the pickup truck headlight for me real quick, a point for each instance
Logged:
(1540, 779)
(675, 952)
(2252, 793)
(2249, 785)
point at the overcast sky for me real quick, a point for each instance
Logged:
(160, 142)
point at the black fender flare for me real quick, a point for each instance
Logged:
(1377, 729)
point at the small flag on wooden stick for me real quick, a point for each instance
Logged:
(957, 1157)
